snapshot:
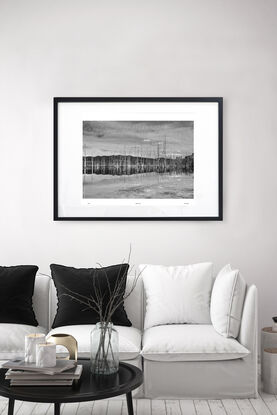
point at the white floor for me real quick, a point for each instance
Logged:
(264, 405)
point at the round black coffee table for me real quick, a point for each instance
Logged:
(89, 388)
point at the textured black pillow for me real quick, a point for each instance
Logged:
(16, 292)
(80, 281)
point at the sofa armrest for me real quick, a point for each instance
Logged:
(249, 322)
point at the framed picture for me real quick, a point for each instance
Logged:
(138, 158)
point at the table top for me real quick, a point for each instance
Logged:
(89, 388)
(271, 350)
(268, 330)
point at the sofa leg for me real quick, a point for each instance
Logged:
(11, 406)
(129, 403)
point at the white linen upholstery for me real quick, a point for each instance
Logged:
(189, 342)
(41, 299)
(133, 303)
(177, 294)
(129, 339)
(227, 302)
(136, 393)
(237, 378)
(162, 378)
(12, 339)
(248, 335)
(223, 379)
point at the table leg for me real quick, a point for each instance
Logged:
(57, 407)
(129, 403)
(11, 406)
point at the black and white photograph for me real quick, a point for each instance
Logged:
(138, 159)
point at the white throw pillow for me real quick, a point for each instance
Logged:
(227, 302)
(177, 294)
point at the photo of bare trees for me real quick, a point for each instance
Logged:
(138, 159)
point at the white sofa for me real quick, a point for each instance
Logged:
(178, 361)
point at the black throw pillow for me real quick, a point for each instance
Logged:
(80, 281)
(16, 292)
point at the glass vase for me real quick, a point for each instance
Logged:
(104, 349)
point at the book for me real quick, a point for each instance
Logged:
(74, 373)
(20, 364)
(41, 382)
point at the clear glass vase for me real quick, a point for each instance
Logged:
(104, 349)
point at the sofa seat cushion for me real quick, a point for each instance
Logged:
(12, 339)
(129, 339)
(189, 342)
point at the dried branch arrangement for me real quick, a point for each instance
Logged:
(104, 360)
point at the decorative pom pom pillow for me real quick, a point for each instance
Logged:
(227, 302)
(177, 294)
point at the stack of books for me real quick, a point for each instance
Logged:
(21, 373)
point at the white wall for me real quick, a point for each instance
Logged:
(141, 48)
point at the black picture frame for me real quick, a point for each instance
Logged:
(61, 100)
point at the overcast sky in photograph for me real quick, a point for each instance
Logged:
(137, 138)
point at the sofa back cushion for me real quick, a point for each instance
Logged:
(16, 293)
(227, 302)
(177, 294)
(41, 299)
(132, 304)
(80, 291)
